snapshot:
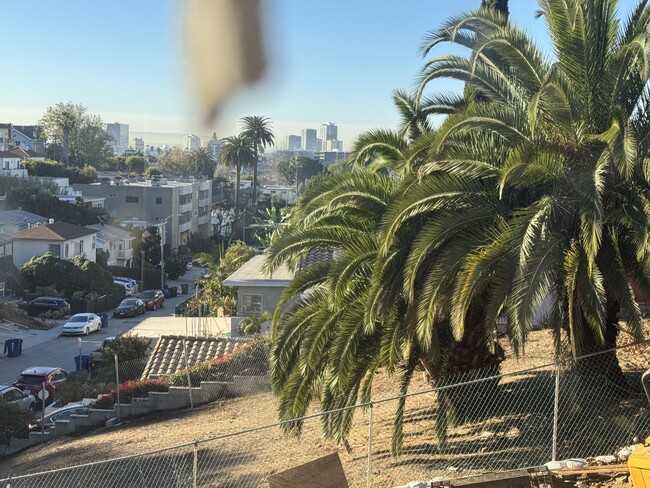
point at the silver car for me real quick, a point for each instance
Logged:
(24, 400)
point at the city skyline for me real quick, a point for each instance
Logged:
(131, 71)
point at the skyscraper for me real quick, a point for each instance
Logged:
(138, 145)
(309, 142)
(292, 143)
(191, 141)
(328, 132)
(120, 135)
(214, 146)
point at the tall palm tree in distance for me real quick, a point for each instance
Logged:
(238, 152)
(258, 130)
(202, 162)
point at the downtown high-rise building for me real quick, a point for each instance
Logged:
(308, 140)
(120, 135)
(292, 143)
(191, 141)
(138, 145)
(328, 132)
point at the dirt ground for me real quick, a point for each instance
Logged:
(247, 459)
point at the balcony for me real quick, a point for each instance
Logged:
(204, 202)
(185, 226)
(204, 219)
(185, 207)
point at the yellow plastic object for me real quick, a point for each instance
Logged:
(639, 464)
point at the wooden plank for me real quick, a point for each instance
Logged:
(603, 469)
(324, 472)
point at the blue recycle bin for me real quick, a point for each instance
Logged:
(13, 347)
(104, 317)
(82, 362)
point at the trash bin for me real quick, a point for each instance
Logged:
(13, 347)
(104, 317)
(184, 288)
(82, 362)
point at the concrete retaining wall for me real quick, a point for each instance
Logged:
(176, 398)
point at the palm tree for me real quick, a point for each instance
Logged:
(237, 151)
(546, 172)
(258, 130)
(203, 162)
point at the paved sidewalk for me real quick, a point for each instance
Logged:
(48, 348)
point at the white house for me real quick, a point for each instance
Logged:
(62, 239)
(10, 165)
(117, 242)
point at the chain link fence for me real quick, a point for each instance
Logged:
(467, 424)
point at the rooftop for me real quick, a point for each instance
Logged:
(168, 356)
(182, 326)
(108, 232)
(21, 217)
(252, 274)
(58, 231)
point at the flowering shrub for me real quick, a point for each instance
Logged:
(252, 359)
(130, 390)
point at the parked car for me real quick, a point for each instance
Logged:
(129, 307)
(24, 400)
(129, 289)
(63, 413)
(40, 305)
(152, 299)
(96, 355)
(133, 283)
(82, 323)
(31, 381)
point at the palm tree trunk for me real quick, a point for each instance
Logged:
(238, 178)
(255, 177)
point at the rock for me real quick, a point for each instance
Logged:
(553, 465)
(576, 463)
(486, 434)
(605, 459)
(624, 453)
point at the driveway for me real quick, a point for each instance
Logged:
(49, 348)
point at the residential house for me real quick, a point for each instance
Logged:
(12, 221)
(28, 137)
(257, 291)
(10, 165)
(26, 153)
(117, 242)
(62, 239)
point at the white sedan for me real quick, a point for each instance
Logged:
(82, 323)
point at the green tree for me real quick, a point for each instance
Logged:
(135, 164)
(202, 162)
(547, 174)
(150, 244)
(253, 325)
(74, 136)
(176, 161)
(307, 168)
(238, 152)
(175, 266)
(258, 130)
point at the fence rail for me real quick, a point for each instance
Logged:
(473, 423)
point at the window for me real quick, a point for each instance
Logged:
(252, 304)
(54, 249)
(158, 200)
(67, 250)
(81, 246)
(94, 242)
(130, 199)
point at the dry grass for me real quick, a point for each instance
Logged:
(248, 459)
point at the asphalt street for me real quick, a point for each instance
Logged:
(49, 348)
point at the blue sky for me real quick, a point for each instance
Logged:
(332, 61)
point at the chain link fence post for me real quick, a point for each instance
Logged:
(117, 385)
(556, 405)
(187, 370)
(195, 465)
(369, 468)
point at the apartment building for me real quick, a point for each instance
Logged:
(177, 207)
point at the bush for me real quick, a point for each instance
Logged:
(8, 309)
(127, 348)
(14, 422)
(77, 387)
(251, 359)
(175, 266)
(129, 391)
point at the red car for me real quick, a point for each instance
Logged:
(152, 299)
(31, 380)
